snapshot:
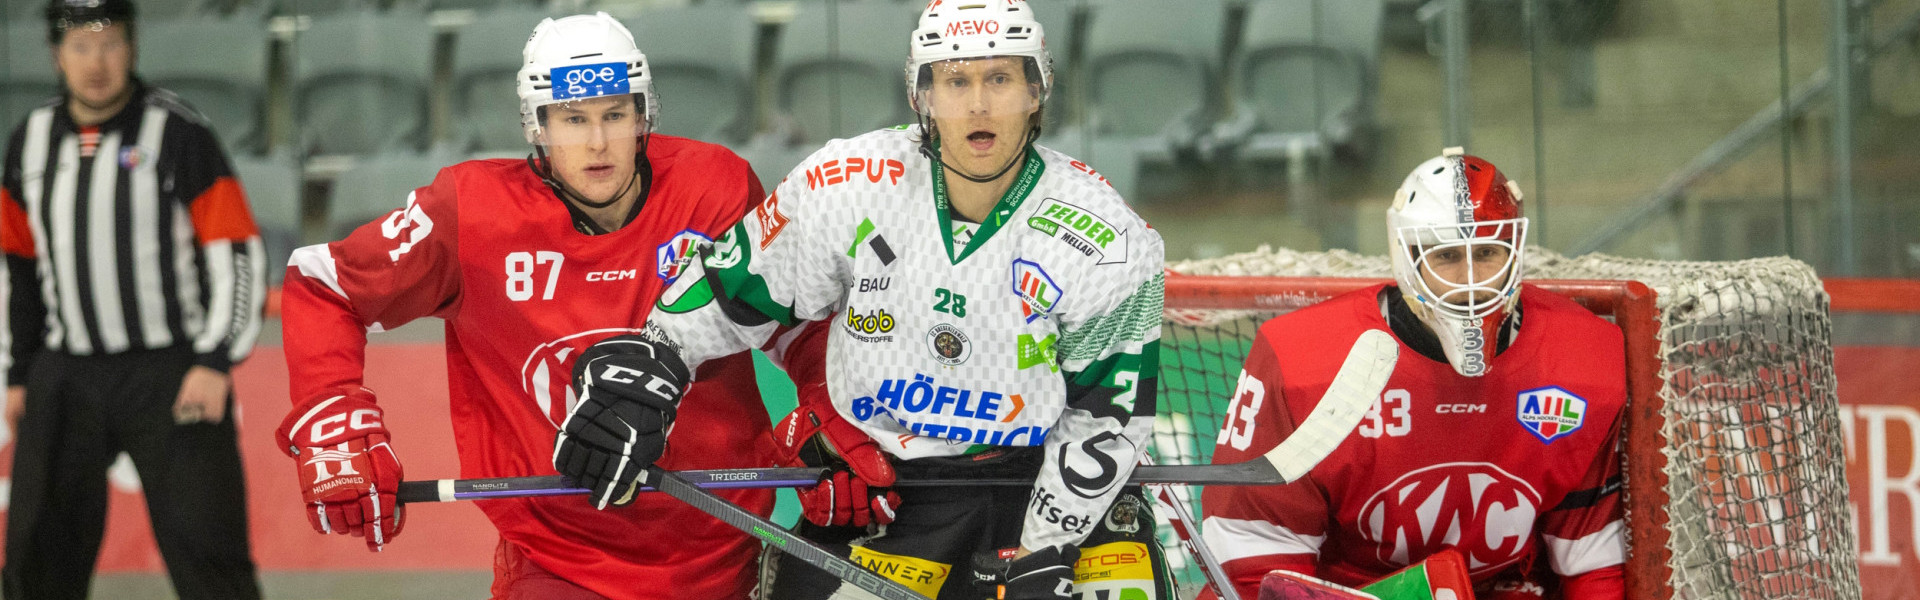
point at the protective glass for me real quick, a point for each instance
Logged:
(993, 86)
(593, 122)
(1478, 264)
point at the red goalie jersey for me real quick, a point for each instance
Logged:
(1501, 467)
(490, 249)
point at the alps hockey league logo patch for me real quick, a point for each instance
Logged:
(672, 256)
(1037, 291)
(1550, 413)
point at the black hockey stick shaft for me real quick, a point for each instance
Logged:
(452, 490)
(838, 566)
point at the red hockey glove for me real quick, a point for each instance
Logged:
(348, 473)
(857, 491)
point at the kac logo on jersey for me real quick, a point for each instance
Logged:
(1550, 413)
(673, 255)
(1479, 509)
(1037, 291)
(590, 81)
(547, 375)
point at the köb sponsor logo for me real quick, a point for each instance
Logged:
(1484, 512)
(1550, 413)
(672, 256)
(838, 171)
(873, 326)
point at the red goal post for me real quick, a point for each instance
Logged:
(1747, 519)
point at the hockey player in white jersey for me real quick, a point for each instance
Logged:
(996, 311)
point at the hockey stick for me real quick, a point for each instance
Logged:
(449, 490)
(873, 583)
(1355, 387)
(1182, 522)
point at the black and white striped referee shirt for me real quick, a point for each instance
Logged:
(134, 232)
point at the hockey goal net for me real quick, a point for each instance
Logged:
(1736, 486)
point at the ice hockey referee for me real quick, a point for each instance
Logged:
(135, 283)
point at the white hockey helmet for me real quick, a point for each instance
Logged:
(1455, 209)
(580, 57)
(964, 29)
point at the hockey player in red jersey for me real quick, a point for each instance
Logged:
(1496, 435)
(529, 262)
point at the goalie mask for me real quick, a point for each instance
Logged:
(1457, 240)
(979, 72)
(586, 100)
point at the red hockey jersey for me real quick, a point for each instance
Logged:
(489, 249)
(1497, 467)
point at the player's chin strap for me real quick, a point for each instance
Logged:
(642, 172)
(927, 149)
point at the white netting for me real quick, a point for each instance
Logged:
(1756, 492)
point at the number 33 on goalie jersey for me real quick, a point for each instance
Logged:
(1041, 328)
(1499, 467)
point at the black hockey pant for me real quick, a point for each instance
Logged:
(82, 412)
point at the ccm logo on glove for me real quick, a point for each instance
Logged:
(619, 374)
(324, 430)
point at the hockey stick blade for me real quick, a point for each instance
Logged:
(873, 583)
(1354, 390)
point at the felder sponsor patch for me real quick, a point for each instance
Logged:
(921, 575)
(1082, 230)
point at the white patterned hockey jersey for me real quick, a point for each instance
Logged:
(1041, 327)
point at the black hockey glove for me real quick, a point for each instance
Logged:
(1046, 574)
(629, 390)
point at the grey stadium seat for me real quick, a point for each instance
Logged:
(219, 66)
(486, 57)
(362, 82)
(702, 63)
(834, 88)
(272, 184)
(1150, 74)
(1306, 77)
